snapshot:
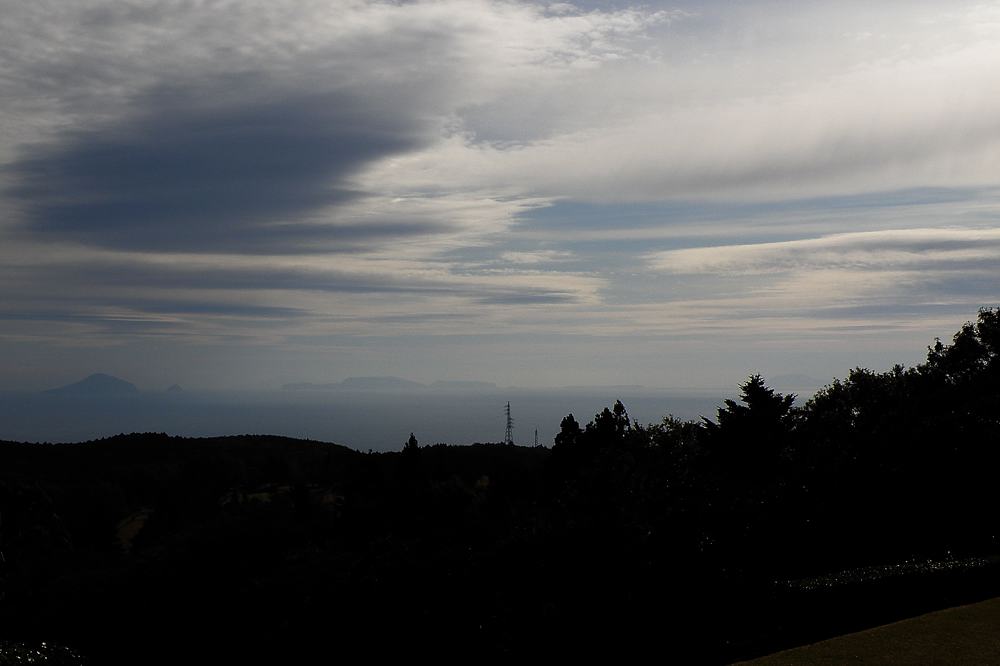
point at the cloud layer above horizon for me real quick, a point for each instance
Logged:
(535, 193)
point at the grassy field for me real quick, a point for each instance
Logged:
(961, 635)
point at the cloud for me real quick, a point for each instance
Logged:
(122, 309)
(529, 297)
(213, 296)
(535, 256)
(641, 104)
(183, 175)
(889, 250)
(260, 134)
(787, 107)
(913, 279)
(270, 170)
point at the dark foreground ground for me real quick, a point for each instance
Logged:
(152, 549)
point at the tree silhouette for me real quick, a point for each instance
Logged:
(757, 429)
(569, 432)
(411, 445)
(974, 349)
(611, 427)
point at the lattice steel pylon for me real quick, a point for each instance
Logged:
(508, 437)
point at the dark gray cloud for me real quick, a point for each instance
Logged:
(527, 297)
(221, 308)
(248, 279)
(105, 277)
(244, 175)
(69, 313)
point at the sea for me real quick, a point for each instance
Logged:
(360, 419)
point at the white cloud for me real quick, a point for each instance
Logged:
(535, 256)
(894, 249)
(926, 120)
(804, 290)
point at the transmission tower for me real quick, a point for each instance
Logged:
(508, 437)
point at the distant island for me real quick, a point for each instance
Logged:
(98, 385)
(463, 385)
(358, 384)
(388, 384)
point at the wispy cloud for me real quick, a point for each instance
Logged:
(887, 250)
(912, 279)
(535, 256)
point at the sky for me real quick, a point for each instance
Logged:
(230, 195)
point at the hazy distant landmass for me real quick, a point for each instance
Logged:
(380, 383)
(98, 384)
(309, 386)
(358, 383)
(390, 384)
(463, 385)
(175, 388)
(610, 387)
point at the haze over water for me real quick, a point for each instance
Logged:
(378, 420)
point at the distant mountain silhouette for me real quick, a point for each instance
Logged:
(603, 387)
(358, 383)
(98, 384)
(380, 383)
(175, 388)
(463, 385)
